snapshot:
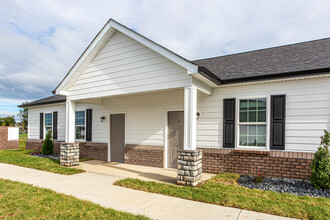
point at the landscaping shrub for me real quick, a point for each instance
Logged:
(48, 145)
(320, 177)
(259, 177)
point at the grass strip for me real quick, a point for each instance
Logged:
(224, 190)
(24, 201)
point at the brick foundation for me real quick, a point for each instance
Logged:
(36, 145)
(91, 150)
(145, 155)
(295, 165)
(95, 151)
(4, 143)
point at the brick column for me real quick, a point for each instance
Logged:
(69, 154)
(189, 167)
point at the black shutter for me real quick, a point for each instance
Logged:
(277, 126)
(55, 125)
(41, 135)
(89, 113)
(229, 123)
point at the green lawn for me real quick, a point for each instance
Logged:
(22, 135)
(23, 201)
(22, 158)
(224, 190)
(22, 143)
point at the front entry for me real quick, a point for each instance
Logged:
(117, 137)
(175, 136)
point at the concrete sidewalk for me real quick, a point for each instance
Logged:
(144, 173)
(100, 189)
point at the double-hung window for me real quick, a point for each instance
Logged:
(252, 124)
(80, 125)
(48, 123)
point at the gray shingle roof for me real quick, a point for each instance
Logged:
(304, 56)
(44, 101)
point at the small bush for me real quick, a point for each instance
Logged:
(320, 177)
(259, 177)
(48, 145)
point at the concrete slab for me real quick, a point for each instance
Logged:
(134, 171)
(250, 215)
(99, 189)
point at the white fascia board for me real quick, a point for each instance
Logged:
(191, 68)
(81, 60)
(206, 89)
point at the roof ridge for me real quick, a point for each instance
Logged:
(268, 48)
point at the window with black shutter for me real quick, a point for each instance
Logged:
(229, 123)
(277, 129)
(55, 125)
(41, 128)
(89, 114)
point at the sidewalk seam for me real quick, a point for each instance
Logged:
(239, 214)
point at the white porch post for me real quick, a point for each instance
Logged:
(190, 109)
(189, 159)
(70, 122)
(69, 151)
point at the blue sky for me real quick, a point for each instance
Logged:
(41, 40)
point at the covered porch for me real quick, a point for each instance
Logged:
(147, 129)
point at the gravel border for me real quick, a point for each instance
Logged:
(284, 185)
(54, 156)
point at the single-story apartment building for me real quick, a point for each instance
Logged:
(128, 99)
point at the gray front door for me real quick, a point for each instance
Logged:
(117, 137)
(175, 136)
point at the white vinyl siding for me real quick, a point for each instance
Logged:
(145, 116)
(125, 66)
(34, 120)
(307, 111)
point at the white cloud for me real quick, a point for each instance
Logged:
(41, 40)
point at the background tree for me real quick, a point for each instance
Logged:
(23, 114)
(8, 121)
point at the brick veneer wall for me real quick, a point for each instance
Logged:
(146, 155)
(4, 143)
(36, 145)
(272, 163)
(92, 150)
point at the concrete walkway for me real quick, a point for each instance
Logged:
(144, 173)
(99, 189)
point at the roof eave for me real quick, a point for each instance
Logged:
(209, 75)
(38, 104)
(277, 75)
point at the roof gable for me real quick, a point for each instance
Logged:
(102, 38)
(126, 66)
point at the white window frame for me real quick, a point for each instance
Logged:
(75, 126)
(238, 123)
(45, 126)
